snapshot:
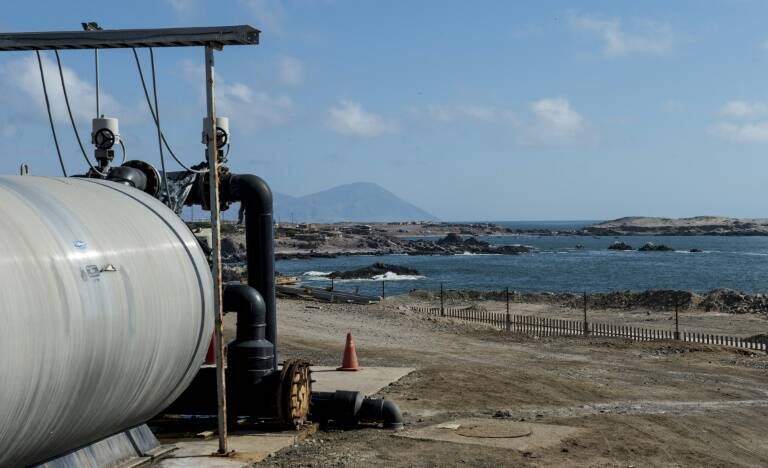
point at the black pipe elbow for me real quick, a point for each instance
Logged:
(253, 191)
(379, 410)
(251, 311)
(250, 355)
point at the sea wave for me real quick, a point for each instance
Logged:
(390, 276)
(316, 273)
(472, 254)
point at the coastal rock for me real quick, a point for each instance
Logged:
(651, 247)
(451, 239)
(620, 246)
(512, 249)
(735, 302)
(376, 269)
(695, 250)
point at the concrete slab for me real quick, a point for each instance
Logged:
(249, 449)
(368, 380)
(498, 433)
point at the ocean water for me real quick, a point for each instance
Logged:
(557, 265)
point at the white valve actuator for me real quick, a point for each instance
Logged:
(105, 133)
(222, 126)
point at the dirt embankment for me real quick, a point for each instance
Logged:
(717, 300)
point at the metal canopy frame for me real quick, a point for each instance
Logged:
(214, 36)
(210, 38)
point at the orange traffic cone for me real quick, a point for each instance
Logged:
(349, 363)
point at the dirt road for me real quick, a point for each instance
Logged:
(634, 404)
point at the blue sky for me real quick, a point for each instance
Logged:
(491, 110)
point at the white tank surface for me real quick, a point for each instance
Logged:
(106, 312)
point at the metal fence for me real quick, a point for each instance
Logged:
(544, 326)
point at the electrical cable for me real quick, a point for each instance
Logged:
(154, 118)
(122, 145)
(71, 118)
(50, 115)
(157, 119)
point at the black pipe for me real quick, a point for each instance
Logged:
(128, 176)
(250, 355)
(349, 408)
(378, 410)
(256, 196)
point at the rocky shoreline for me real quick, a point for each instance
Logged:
(375, 243)
(717, 300)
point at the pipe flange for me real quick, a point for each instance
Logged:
(295, 392)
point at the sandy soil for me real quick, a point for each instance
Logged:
(637, 404)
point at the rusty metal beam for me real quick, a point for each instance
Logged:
(215, 36)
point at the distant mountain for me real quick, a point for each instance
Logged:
(358, 202)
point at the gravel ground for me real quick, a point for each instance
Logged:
(640, 404)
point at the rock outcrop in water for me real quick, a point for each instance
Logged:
(620, 246)
(454, 243)
(377, 269)
(651, 247)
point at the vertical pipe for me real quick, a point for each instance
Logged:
(213, 174)
(96, 61)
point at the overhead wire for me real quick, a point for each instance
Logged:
(50, 115)
(71, 118)
(155, 119)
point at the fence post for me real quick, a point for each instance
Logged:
(382, 290)
(677, 323)
(586, 324)
(331, 283)
(442, 304)
(507, 320)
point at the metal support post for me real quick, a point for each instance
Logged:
(508, 321)
(442, 302)
(213, 174)
(677, 323)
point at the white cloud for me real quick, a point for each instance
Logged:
(23, 76)
(349, 118)
(671, 106)
(465, 112)
(9, 130)
(183, 8)
(647, 36)
(290, 71)
(555, 121)
(746, 133)
(744, 109)
(248, 110)
(268, 14)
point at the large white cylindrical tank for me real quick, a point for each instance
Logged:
(106, 312)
